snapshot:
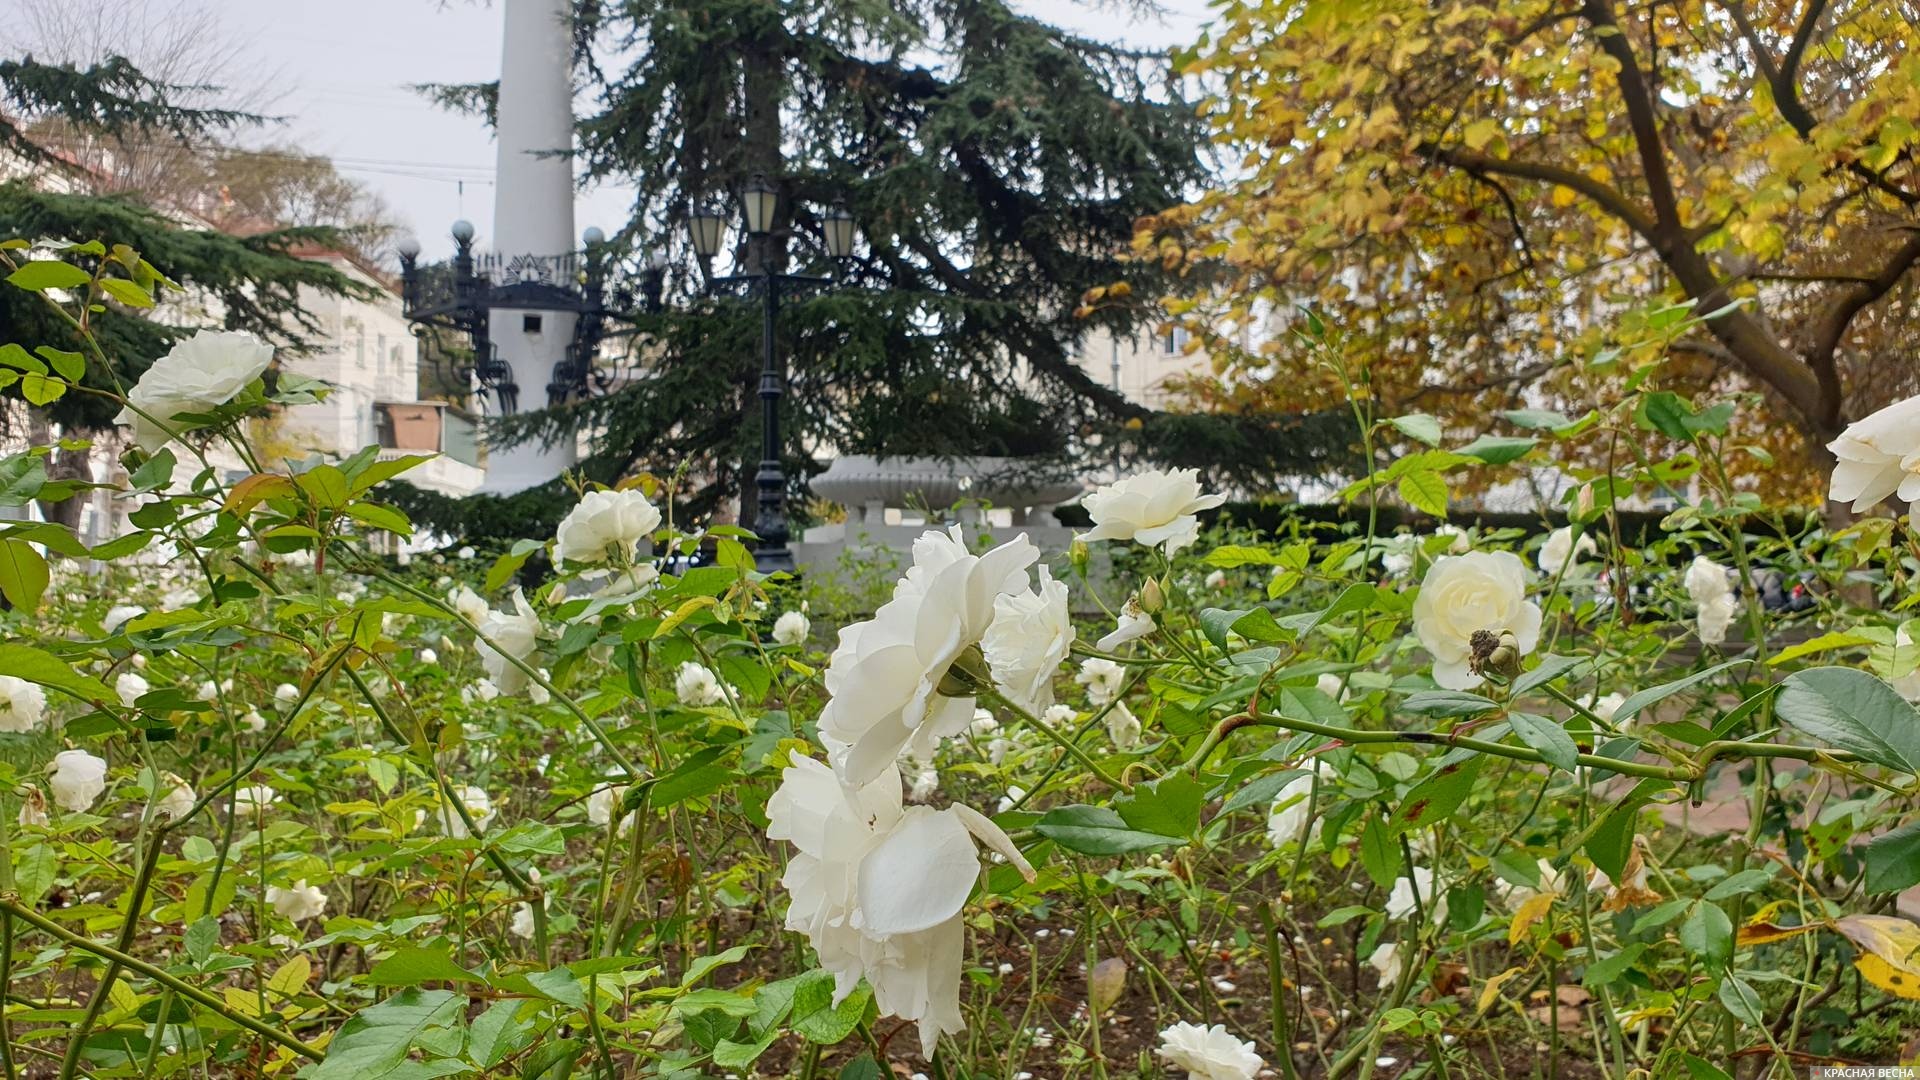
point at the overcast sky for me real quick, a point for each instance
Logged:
(343, 66)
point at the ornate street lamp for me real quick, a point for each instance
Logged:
(759, 204)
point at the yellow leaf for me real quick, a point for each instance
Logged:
(1530, 912)
(244, 1002)
(1479, 133)
(1889, 951)
(1563, 196)
(291, 979)
(682, 614)
(1492, 989)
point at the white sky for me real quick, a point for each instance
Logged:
(342, 68)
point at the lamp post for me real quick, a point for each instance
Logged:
(760, 201)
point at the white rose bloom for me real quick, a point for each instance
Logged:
(178, 800)
(791, 628)
(607, 526)
(117, 617)
(76, 779)
(403, 558)
(522, 924)
(465, 552)
(923, 779)
(481, 690)
(470, 605)
(1134, 624)
(602, 804)
(1123, 727)
(1401, 902)
(1288, 821)
(207, 691)
(203, 371)
(251, 799)
(1551, 882)
(879, 887)
(1216, 580)
(1331, 685)
(1712, 597)
(33, 808)
(286, 693)
(1387, 961)
(299, 903)
(1878, 456)
(23, 705)
(983, 724)
(1152, 508)
(130, 685)
(1561, 550)
(696, 687)
(1464, 593)
(1059, 716)
(1605, 707)
(428, 656)
(883, 681)
(538, 694)
(1907, 685)
(1102, 677)
(477, 805)
(513, 633)
(1209, 1053)
(1459, 543)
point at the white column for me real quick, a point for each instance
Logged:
(533, 214)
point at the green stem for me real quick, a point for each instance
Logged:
(1277, 994)
(12, 906)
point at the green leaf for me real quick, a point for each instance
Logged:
(375, 1042)
(1546, 736)
(1425, 490)
(1379, 852)
(1537, 419)
(1261, 791)
(42, 274)
(1611, 841)
(1849, 709)
(382, 471)
(21, 478)
(1551, 667)
(694, 777)
(1893, 859)
(23, 574)
(1631, 707)
(38, 666)
(504, 568)
(1216, 623)
(41, 389)
(411, 966)
(1438, 796)
(699, 968)
(497, 1033)
(1664, 412)
(1097, 830)
(155, 472)
(1448, 703)
(1608, 969)
(1742, 1001)
(326, 485)
(1169, 806)
(816, 1018)
(39, 868)
(1702, 1069)
(201, 939)
(126, 292)
(1746, 881)
(1499, 449)
(1230, 556)
(1707, 933)
(1418, 426)
(385, 518)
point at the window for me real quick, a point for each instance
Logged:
(1174, 341)
(530, 324)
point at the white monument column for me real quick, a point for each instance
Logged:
(532, 216)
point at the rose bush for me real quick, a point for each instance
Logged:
(275, 801)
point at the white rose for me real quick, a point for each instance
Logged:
(522, 924)
(1216, 580)
(513, 633)
(299, 903)
(1401, 902)
(537, 693)
(253, 721)
(76, 779)
(1059, 716)
(1331, 685)
(791, 628)
(117, 617)
(1551, 883)
(1209, 1053)
(1288, 821)
(481, 690)
(1123, 727)
(883, 681)
(1152, 508)
(1465, 593)
(1605, 707)
(179, 798)
(286, 693)
(878, 888)
(603, 802)
(1907, 685)
(1387, 962)
(478, 806)
(1878, 456)
(1562, 551)
(697, 687)
(203, 371)
(252, 799)
(1133, 625)
(1102, 677)
(33, 808)
(130, 685)
(1028, 638)
(428, 656)
(607, 526)
(1712, 596)
(23, 705)
(465, 552)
